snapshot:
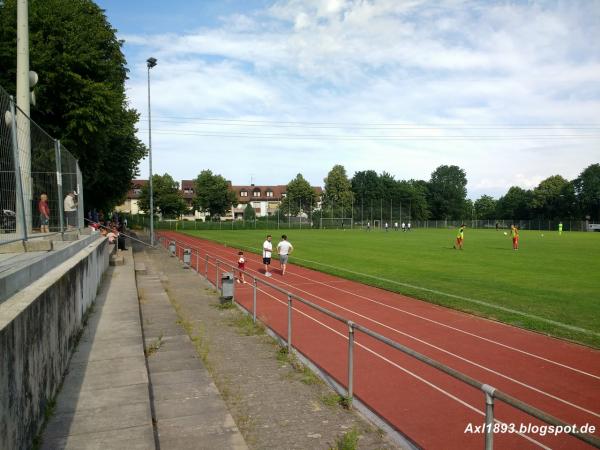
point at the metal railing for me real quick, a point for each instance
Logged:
(490, 393)
(34, 169)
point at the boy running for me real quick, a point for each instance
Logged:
(460, 237)
(241, 267)
(284, 248)
(267, 250)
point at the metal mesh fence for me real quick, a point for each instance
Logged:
(37, 175)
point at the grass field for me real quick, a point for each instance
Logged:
(551, 285)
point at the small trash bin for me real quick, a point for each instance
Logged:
(227, 286)
(187, 257)
(172, 248)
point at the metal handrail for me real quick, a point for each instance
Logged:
(490, 392)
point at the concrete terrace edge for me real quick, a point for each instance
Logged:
(18, 278)
(39, 326)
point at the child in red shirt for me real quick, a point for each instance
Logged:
(241, 267)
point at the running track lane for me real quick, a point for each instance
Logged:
(429, 407)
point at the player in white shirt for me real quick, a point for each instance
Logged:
(284, 248)
(267, 250)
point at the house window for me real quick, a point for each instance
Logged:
(137, 191)
(269, 193)
(256, 193)
(283, 195)
(244, 194)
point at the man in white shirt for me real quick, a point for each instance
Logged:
(284, 248)
(267, 250)
(70, 208)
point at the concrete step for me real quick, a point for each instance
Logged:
(117, 260)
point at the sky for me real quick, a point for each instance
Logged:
(259, 91)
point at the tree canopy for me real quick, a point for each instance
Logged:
(81, 90)
(447, 192)
(168, 199)
(337, 190)
(587, 188)
(300, 197)
(213, 194)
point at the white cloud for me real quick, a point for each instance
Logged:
(422, 62)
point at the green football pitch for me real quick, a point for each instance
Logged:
(550, 285)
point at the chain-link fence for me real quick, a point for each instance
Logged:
(40, 181)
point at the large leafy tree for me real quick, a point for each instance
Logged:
(366, 187)
(485, 208)
(515, 204)
(338, 190)
(587, 188)
(213, 194)
(549, 197)
(447, 192)
(168, 199)
(81, 90)
(300, 197)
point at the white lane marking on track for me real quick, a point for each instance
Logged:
(564, 401)
(405, 370)
(559, 399)
(446, 326)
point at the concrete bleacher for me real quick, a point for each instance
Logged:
(44, 297)
(104, 402)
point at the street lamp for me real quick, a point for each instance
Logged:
(151, 62)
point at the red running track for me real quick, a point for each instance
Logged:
(430, 408)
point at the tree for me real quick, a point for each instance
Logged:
(366, 187)
(213, 194)
(587, 189)
(249, 213)
(516, 204)
(81, 92)
(547, 201)
(167, 197)
(447, 192)
(300, 197)
(338, 190)
(485, 208)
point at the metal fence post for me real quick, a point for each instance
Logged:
(489, 416)
(206, 268)
(289, 330)
(350, 360)
(197, 261)
(59, 185)
(21, 219)
(80, 206)
(217, 277)
(254, 299)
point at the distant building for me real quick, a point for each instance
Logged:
(130, 205)
(264, 199)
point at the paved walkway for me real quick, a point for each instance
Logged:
(104, 402)
(189, 412)
(275, 402)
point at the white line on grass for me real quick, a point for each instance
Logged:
(445, 325)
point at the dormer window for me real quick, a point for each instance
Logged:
(244, 194)
(256, 193)
(283, 195)
(269, 193)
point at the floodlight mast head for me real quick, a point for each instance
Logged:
(151, 62)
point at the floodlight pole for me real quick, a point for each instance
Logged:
(23, 114)
(151, 62)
